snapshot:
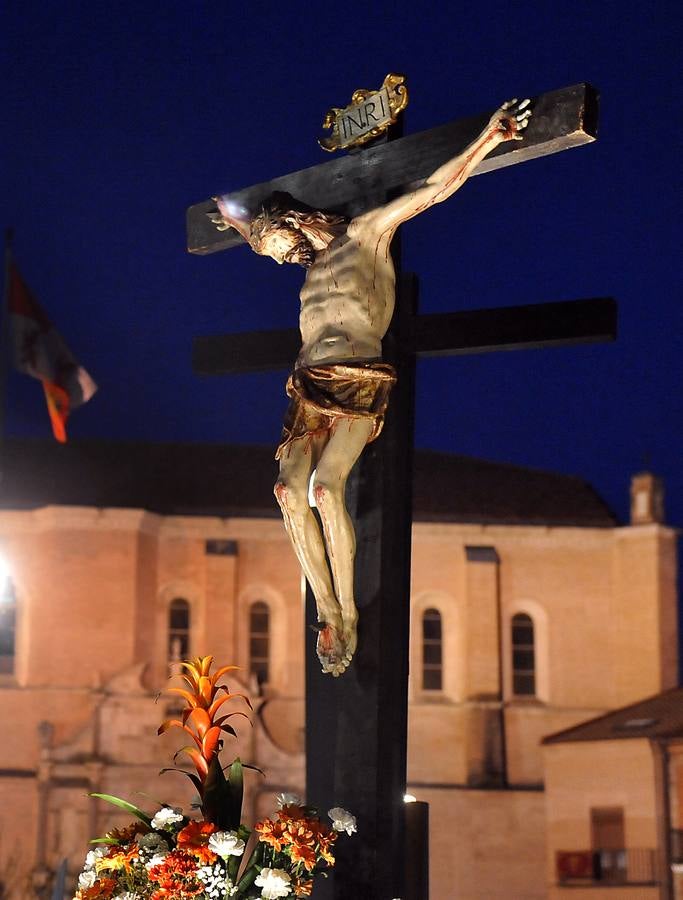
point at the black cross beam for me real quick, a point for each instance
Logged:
(356, 725)
(527, 327)
(561, 120)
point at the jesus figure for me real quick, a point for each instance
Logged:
(340, 387)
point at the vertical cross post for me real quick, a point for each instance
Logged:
(356, 731)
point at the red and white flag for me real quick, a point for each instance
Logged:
(38, 350)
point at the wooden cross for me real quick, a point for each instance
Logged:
(356, 725)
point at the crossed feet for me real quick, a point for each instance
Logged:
(337, 641)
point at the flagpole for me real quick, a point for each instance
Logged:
(4, 342)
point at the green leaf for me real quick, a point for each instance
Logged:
(222, 797)
(248, 879)
(235, 794)
(214, 795)
(253, 852)
(128, 807)
(233, 866)
(247, 766)
(104, 840)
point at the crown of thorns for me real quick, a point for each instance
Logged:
(279, 210)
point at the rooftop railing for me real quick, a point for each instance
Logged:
(632, 865)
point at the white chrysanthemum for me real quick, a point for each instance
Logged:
(274, 883)
(226, 843)
(93, 856)
(287, 799)
(167, 816)
(156, 860)
(87, 879)
(342, 820)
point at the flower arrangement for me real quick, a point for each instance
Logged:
(170, 856)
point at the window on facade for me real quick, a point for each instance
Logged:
(608, 844)
(259, 641)
(607, 828)
(178, 630)
(432, 651)
(523, 656)
(8, 626)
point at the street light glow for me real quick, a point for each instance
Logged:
(5, 574)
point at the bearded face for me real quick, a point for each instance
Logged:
(285, 244)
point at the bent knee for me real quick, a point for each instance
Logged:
(291, 497)
(326, 493)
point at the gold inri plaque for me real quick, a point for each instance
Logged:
(369, 114)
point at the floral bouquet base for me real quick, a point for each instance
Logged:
(169, 856)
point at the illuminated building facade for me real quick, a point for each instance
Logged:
(532, 611)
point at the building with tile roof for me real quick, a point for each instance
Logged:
(614, 802)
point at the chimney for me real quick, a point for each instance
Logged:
(647, 499)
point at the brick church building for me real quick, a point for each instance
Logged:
(533, 613)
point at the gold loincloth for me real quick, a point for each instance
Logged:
(322, 395)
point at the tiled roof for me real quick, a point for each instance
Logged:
(453, 488)
(233, 480)
(657, 717)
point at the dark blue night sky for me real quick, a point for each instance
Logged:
(116, 117)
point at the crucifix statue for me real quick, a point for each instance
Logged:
(340, 387)
(356, 726)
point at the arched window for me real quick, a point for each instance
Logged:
(259, 641)
(178, 630)
(8, 625)
(432, 651)
(523, 656)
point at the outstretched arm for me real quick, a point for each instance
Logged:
(506, 124)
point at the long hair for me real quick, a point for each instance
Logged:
(281, 210)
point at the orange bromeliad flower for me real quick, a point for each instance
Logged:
(200, 719)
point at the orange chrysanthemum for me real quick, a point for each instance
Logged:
(178, 890)
(103, 889)
(272, 833)
(303, 888)
(325, 845)
(291, 813)
(194, 839)
(176, 877)
(301, 834)
(326, 840)
(304, 854)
